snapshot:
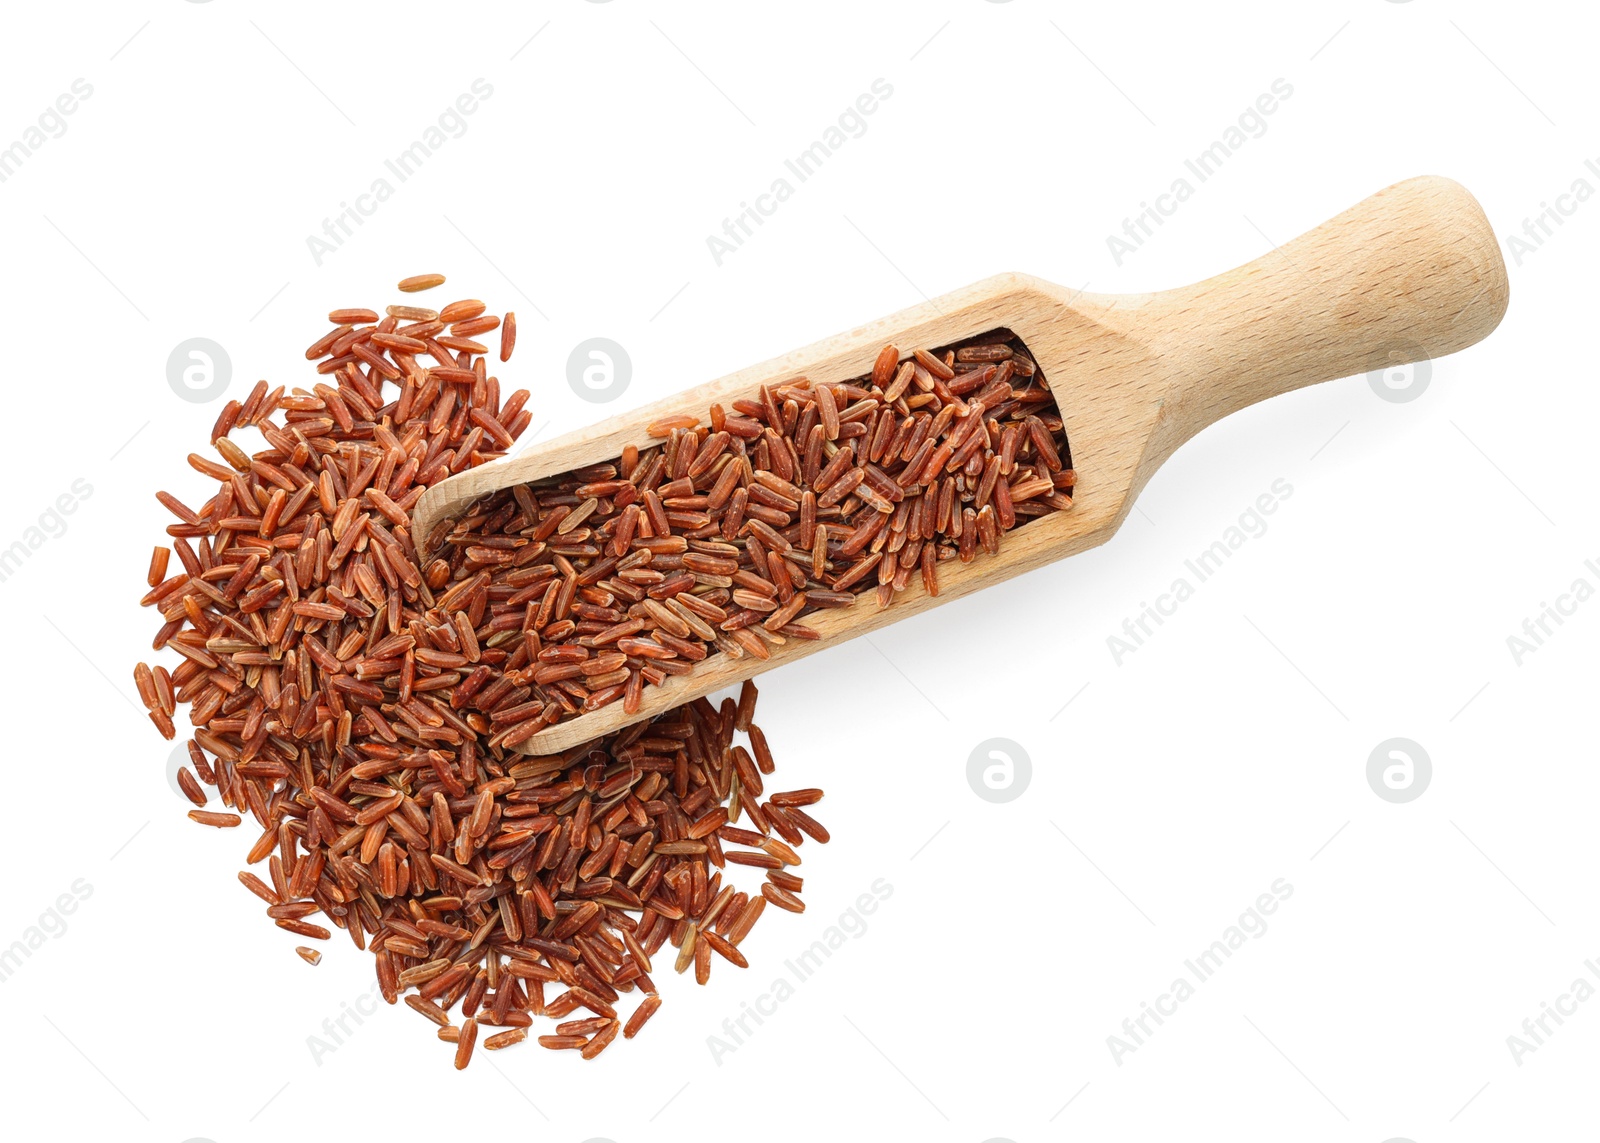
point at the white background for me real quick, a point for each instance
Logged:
(1167, 792)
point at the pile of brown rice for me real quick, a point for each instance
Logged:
(340, 696)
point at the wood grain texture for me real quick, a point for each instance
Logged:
(1413, 272)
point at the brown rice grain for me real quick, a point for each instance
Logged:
(429, 1009)
(220, 821)
(468, 1037)
(724, 949)
(191, 787)
(786, 880)
(748, 916)
(640, 1016)
(253, 883)
(505, 1039)
(702, 961)
(418, 282)
(783, 898)
(508, 336)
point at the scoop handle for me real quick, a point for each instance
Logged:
(1412, 273)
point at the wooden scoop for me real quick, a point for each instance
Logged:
(1412, 273)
